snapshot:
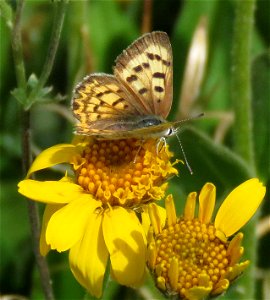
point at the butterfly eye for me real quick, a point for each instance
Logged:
(170, 131)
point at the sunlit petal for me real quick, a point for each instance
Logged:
(239, 206)
(54, 155)
(190, 206)
(67, 226)
(157, 216)
(88, 258)
(50, 191)
(207, 199)
(49, 211)
(125, 242)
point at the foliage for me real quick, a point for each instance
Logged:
(94, 33)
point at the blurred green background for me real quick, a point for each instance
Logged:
(94, 33)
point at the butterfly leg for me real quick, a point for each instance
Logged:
(139, 149)
(160, 144)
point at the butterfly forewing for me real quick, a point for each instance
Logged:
(135, 100)
(100, 98)
(145, 69)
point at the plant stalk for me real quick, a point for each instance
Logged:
(16, 43)
(243, 134)
(33, 210)
(26, 138)
(241, 80)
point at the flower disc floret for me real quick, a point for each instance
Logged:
(126, 172)
(197, 251)
(86, 210)
(191, 256)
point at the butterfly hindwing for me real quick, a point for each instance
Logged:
(133, 101)
(145, 69)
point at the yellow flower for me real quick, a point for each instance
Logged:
(92, 214)
(191, 256)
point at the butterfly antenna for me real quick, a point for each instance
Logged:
(192, 118)
(184, 155)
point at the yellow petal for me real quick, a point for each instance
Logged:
(173, 273)
(160, 215)
(88, 258)
(139, 226)
(170, 209)
(67, 226)
(52, 156)
(197, 293)
(157, 216)
(190, 206)
(125, 242)
(221, 287)
(235, 271)
(49, 211)
(50, 191)
(145, 219)
(207, 200)
(239, 206)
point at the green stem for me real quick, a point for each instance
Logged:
(33, 210)
(26, 150)
(17, 47)
(59, 15)
(241, 84)
(241, 98)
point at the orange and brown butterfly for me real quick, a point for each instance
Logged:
(135, 101)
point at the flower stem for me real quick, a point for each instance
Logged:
(26, 139)
(241, 99)
(241, 84)
(33, 210)
(60, 9)
(17, 47)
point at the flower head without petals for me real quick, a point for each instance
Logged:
(85, 212)
(191, 256)
(126, 172)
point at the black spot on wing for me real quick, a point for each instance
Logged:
(166, 63)
(150, 56)
(159, 75)
(118, 101)
(143, 91)
(131, 78)
(159, 89)
(138, 68)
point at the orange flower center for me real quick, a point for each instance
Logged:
(197, 251)
(124, 172)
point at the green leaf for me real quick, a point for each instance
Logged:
(210, 162)
(19, 95)
(261, 113)
(32, 81)
(6, 13)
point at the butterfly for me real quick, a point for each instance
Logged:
(136, 100)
